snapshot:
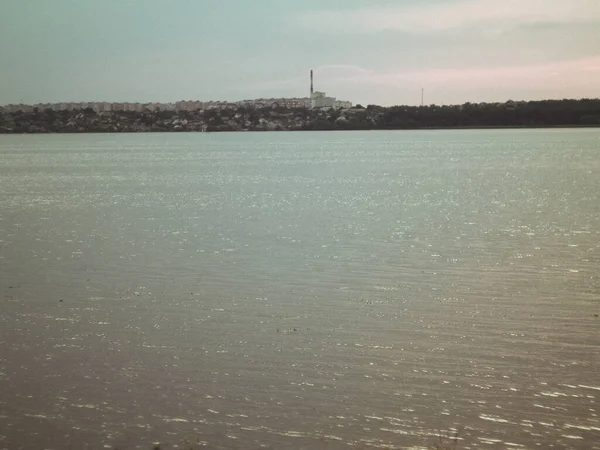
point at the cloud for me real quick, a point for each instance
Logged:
(492, 15)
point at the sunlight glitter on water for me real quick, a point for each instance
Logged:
(368, 289)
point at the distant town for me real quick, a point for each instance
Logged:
(315, 100)
(279, 116)
(318, 111)
(184, 105)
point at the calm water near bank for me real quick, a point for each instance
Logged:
(300, 290)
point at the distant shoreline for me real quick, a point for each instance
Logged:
(509, 115)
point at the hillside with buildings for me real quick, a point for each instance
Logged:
(293, 115)
(227, 118)
(184, 105)
(315, 100)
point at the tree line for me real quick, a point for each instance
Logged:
(547, 113)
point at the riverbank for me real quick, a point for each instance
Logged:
(541, 114)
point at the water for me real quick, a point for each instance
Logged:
(300, 290)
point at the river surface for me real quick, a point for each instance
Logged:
(300, 290)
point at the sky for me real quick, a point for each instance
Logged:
(366, 51)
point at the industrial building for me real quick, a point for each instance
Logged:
(319, 99)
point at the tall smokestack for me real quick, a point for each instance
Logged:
(311, 83)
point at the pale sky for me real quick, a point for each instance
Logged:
(376, 51)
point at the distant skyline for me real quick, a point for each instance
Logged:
(380, 51)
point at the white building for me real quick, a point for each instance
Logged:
(132, 107)
(320, 100)
(342, 104)
(104, 107)
(188, 105)
(295, 102)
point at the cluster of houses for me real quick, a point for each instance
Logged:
(195, 105)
